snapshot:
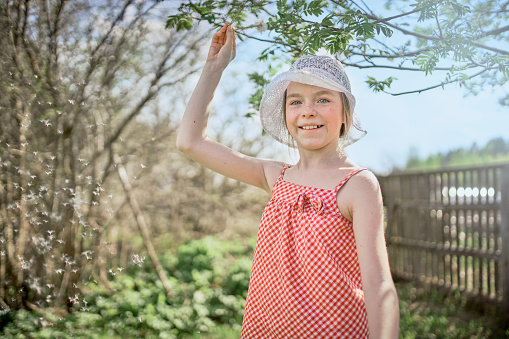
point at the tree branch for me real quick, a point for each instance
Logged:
(495, 31)
(399, 68)
(438, 85)
(385, 20)
(142, 225)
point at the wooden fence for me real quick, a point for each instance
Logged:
(450, 228)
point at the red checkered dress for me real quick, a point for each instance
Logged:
(306, 280)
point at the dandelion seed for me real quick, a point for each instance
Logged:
(143, 166)
(59, 271)
(71, 102)
(74, 299)
(4, 311)
(120, 269)
(87, 254)
(138, 260)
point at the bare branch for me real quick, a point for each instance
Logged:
(493, 49)
(385, 20)
(142, 225)
(399, 68)
(495, 31)
(438, 85)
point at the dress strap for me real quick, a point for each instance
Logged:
(283, 172)
(352, 173)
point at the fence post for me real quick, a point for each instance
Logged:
(504, 208)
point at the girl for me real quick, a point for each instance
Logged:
(320, 268)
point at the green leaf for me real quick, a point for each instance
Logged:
(427, 61)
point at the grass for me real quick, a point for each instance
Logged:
(219, 332)
(426, 313)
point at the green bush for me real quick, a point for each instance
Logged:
(209, 280)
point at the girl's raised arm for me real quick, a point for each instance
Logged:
(192, 136)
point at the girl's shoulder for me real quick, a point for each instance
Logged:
(362, 181)
(360, 191)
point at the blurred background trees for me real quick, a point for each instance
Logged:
(82, 82)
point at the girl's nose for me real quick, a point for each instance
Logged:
(308, 110)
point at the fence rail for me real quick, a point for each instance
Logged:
(450, 228)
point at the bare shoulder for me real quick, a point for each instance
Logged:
(364, 182)
(360, 192)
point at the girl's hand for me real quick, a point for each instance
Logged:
(222, 49)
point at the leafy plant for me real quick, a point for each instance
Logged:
(210, 290)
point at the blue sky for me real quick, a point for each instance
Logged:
(430, 122)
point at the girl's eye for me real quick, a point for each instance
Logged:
(295, 102)
(323, 101)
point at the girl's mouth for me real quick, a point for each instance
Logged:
(311, 127)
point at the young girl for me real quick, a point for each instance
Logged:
(320, 268)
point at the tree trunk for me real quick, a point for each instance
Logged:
(142, 225)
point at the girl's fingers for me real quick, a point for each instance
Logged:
(219, 37)
(230, 40)
(223, 44)
(234, 44)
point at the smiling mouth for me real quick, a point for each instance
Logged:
(311, 127)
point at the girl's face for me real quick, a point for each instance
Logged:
(314, 115)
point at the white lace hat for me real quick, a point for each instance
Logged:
(320, 71)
